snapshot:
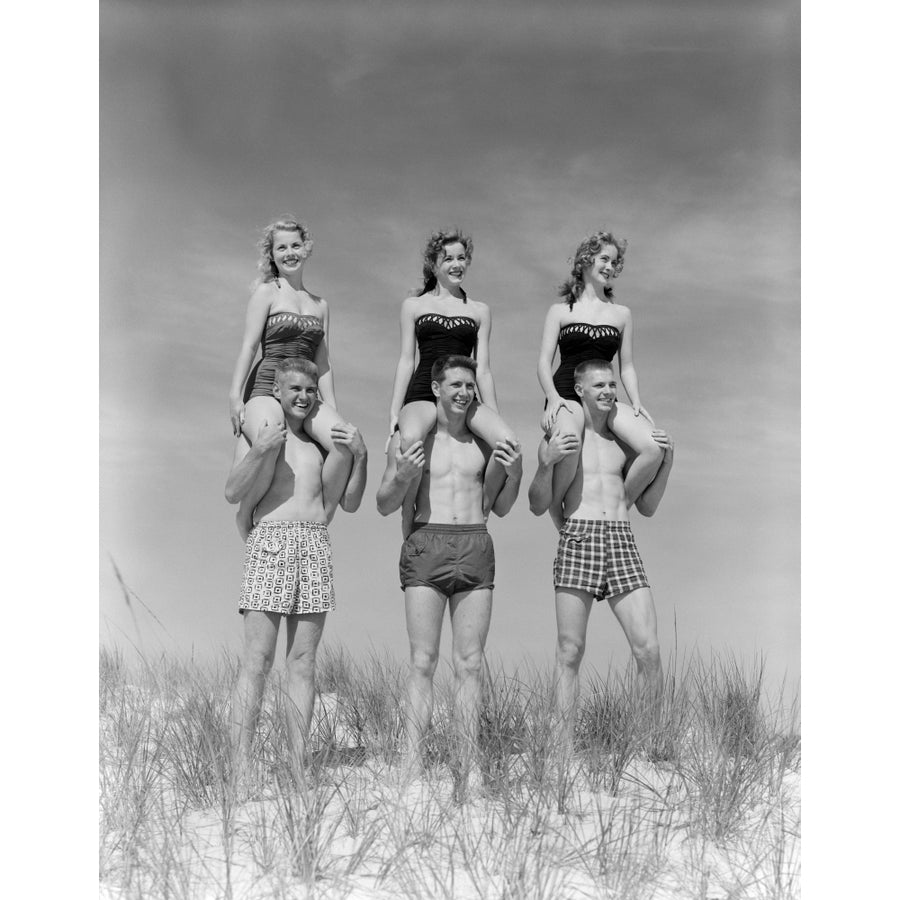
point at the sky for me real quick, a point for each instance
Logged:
(529, 125)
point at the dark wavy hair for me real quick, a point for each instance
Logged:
(570, 290)
(433, 250)
(266, 264)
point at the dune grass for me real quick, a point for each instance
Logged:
(698, 799)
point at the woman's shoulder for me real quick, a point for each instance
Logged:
(557, 311)
(264, 293)
(622, 311)
(478, 309)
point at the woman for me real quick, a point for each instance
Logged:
(289, 322)
(588, 324)
(441, 319)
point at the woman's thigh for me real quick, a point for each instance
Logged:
(257, 411)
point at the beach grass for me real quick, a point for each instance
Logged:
(697, 797)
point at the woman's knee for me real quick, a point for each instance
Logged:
(257, 411)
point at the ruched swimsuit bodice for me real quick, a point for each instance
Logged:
(438, 335)
(578, 342)
(287, 335)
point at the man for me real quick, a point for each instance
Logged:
(597, 557)
(287, 563)
(447, 485)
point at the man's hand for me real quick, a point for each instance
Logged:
(269, 438)
(349, 436)
(411, 463)
(665, 440)
(509, 455)
(555, 447)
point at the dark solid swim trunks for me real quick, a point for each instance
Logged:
(449, 558)
(598, 556)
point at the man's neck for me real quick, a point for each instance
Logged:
(454, 424)
(599, 420)
(296, 429)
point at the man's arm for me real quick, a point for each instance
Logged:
(351, 437)
(550, 451)
(505, 462)
(647, 503)
(248, 461)
(402, 470)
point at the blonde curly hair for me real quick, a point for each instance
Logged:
(268, 271)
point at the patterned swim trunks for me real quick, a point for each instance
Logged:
(598, 556)
(287, 569)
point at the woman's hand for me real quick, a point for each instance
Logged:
(548, 419)
(392, 427)
(640, 411)
(236, 412)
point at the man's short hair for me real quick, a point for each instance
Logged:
(297, 364)
(589, 365)
(451, 361)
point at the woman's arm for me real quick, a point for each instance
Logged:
(483, 377)
(627, 372)
(323, 363)
(407, 359)
(254, 325)
(549, 342)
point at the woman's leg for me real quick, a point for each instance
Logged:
(636, 431)
(564, 471)
(415, 421)
(338, 462)
(487, 424)
(257, 411)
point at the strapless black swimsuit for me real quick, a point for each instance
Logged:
(287, 335)
(438, 335)
(578, 342)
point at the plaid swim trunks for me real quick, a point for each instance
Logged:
(287, 569)
(598, 556)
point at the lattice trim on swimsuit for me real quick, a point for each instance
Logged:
(447, 321)
(592, 331)
(311, 323)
